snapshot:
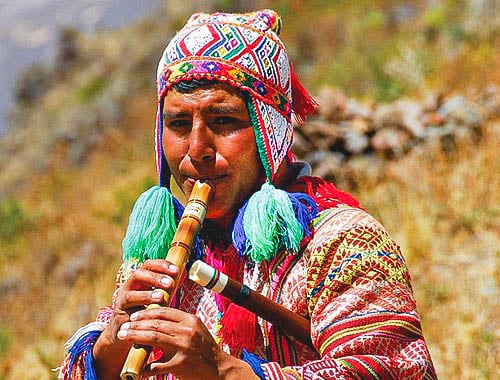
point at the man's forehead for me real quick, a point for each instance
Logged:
(219, 98)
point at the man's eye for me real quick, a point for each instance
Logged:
(175, 124)
(224, 120)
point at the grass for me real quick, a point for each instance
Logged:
(62, 220)
(443, 209)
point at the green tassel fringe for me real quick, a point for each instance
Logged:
(151, 226)
(269, 223)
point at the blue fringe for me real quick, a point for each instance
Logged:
(179, 208)
(239, 236)
(83, 346)
(305, 210)
(255, 362)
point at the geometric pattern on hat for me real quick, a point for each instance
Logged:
(245, 51)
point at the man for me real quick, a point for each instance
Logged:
(226, 97)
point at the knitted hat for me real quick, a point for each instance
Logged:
(245, 51)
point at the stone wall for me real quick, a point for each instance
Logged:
(345, 128)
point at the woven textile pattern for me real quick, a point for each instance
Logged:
(363, 315)
(353, 284)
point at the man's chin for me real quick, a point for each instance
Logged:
(222, 217)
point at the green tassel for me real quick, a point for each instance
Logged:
(270, 224)
(151, 226)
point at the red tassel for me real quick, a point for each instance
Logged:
(239, 327)
(303, 103)
(324, 193)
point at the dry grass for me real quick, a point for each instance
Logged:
(443, 209)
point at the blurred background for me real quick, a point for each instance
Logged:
(408, 123)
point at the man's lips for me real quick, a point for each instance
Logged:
(213, 179)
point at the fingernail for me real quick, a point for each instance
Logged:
(157, 295)
(122, 334)
(166, 281)
(134, 316)
(125, 326)
(173, 268)
(153, 366)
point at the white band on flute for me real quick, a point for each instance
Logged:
(208, 277)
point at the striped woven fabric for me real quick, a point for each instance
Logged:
(353, 284)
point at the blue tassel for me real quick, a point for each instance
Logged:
(255, 362)
(83, 346)
(239, 237)
(178, 209)
(305, 210)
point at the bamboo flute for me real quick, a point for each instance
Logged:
(289, 322)
(178, 254)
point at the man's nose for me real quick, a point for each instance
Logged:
(201, 142)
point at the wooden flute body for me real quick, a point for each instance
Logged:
(287, 321)
(178, 254)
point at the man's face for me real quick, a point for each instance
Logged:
(207, 134)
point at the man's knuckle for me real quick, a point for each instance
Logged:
(155, 324)
(192, 320)
(155, 336)
(127, 297)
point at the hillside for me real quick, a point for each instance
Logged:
(423, 77)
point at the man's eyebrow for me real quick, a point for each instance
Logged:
(224, 109)
(173, 114)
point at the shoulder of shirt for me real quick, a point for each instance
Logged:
(333, 222)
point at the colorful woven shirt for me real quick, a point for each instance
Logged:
(350, 281)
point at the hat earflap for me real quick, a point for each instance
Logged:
(272, 219)
(155, 215)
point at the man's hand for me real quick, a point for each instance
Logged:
(190, 352)
(139, 290)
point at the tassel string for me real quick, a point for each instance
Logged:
(272, 220)
(84, 346)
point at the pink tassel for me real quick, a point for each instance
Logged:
(303, 103)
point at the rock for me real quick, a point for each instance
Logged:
(332, 104)
(431, 119)
(432, 101)
(390, 141)
(436, 132)
(355, 141)
(404, 114)
(346, 129)
(360, 126)
(323, 134)
(355, 109)
(325, 163)
(301, 146)
(459, 111)
(13, 283)
(490, 101)
(81, 261)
